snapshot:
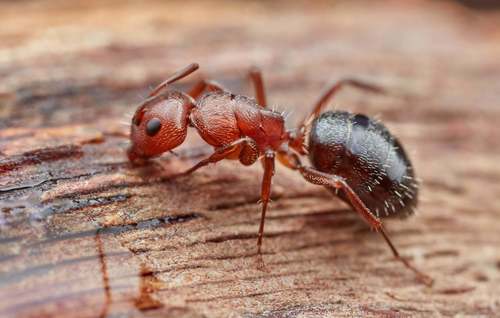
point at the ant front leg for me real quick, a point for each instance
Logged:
(219, 154)
(260, 94)
(332, 181)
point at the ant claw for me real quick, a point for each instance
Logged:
(262, 202)
(261, 266)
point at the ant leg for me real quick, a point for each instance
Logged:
(330, 91)
(289, 159)
(260, 94)
(314, 176)
(200, 87)
(249, 153)
(175, 77)
(265, 193)
(332, 181)
(299, 136)
(218, 155)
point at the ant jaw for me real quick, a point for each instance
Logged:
(135, 158)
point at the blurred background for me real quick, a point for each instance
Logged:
(301, 46)
(72, 72)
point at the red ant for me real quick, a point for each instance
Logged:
(354, 156)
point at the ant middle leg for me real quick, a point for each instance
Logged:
(258, 83)
(265, 193)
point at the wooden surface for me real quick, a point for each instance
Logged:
(83, 234)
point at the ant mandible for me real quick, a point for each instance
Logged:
(354, 156)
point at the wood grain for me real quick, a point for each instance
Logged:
(84, 234)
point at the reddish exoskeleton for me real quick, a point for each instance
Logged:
(351, 154)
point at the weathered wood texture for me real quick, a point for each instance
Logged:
(83, 234)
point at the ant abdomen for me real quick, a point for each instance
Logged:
(368, 157)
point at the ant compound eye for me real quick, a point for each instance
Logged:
(153, 127)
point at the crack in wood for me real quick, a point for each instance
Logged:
(248, 279)
(11, 277)
(40, 155)
(254, 295)
(312, 309)
(12, 309)
(245, 236)
(122, 228)
(46, 181)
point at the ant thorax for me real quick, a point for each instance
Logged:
(222, 118)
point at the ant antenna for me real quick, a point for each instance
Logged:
(177, 76)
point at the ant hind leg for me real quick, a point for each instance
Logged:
(332, 181)
(330, 91)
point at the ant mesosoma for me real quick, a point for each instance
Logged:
(354, 156)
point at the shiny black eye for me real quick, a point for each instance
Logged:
(153, 127)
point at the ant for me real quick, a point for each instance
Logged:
(354, 156)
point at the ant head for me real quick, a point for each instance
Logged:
(159, 125)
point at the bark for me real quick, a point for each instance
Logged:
(84, 234)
